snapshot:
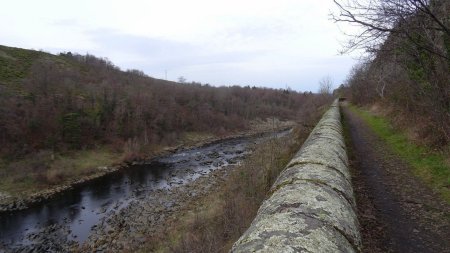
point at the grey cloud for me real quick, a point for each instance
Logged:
(155, 55)
(67, 23)
(159, 52)
(261, 29)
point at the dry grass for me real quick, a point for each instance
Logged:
(191, 138)
(45, 169)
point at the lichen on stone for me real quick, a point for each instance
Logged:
(311, 207)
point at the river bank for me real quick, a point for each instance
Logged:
(98, 208)
(23, 200)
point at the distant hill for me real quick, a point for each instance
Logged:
(70, 101)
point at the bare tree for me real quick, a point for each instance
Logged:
(325, 85)
(182, 79)
(408, 42)
(415, 20)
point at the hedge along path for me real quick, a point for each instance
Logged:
(311, 207)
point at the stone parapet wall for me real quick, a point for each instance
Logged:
(311, 207)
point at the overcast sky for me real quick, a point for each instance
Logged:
(273, 43)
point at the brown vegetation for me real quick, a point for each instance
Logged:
(408, 68)
(76, 102)
(53, 108)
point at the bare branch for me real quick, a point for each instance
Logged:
(381, 19)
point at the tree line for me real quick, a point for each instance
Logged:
(73, 101)
(407, 65)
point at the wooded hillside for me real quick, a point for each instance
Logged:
(72, 101)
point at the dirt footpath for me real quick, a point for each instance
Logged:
(397, 212)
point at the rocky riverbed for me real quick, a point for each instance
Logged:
(122, 209)
(147, 215)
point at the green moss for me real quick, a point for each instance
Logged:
(429, 165)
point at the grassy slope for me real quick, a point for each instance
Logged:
(55, 169)
(431, 166)
(16, 63)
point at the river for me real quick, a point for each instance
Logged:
(70, 217)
